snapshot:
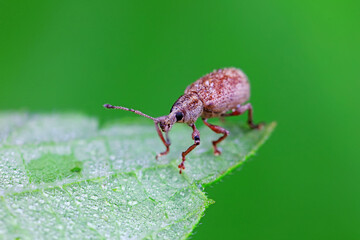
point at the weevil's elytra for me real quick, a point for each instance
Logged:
(222, 93)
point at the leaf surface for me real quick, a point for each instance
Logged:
(63, 176)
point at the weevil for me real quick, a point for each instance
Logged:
(222, 93)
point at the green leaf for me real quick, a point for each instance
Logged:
(63, 176)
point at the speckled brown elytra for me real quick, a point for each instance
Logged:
(217, 94)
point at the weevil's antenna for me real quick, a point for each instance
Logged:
(130, 110)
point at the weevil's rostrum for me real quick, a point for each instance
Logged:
(221, 93)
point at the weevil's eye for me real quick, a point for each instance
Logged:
(179, 116)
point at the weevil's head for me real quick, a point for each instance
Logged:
(186, 109)
(176, 115)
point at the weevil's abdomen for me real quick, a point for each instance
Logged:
(221, 91)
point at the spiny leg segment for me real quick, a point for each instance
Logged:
(196, 137)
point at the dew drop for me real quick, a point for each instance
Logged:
(132, 203)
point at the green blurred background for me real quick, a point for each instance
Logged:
(302, 58)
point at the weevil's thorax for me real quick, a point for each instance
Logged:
(187, 108)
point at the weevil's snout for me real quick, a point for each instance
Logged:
(165, 126)
(165, 123)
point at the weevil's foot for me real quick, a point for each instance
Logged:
(217, 152)
(181, 167)
(257, 126)
(160, 155)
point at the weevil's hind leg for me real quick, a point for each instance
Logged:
(196, 137)
(240, 110)
(216, 129)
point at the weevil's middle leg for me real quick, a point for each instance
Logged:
(196, 137)
(216, 129)
(240, 110)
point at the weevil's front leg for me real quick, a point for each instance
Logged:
(216, 129)
(196, 137)
(240, 110)
(166, 142)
